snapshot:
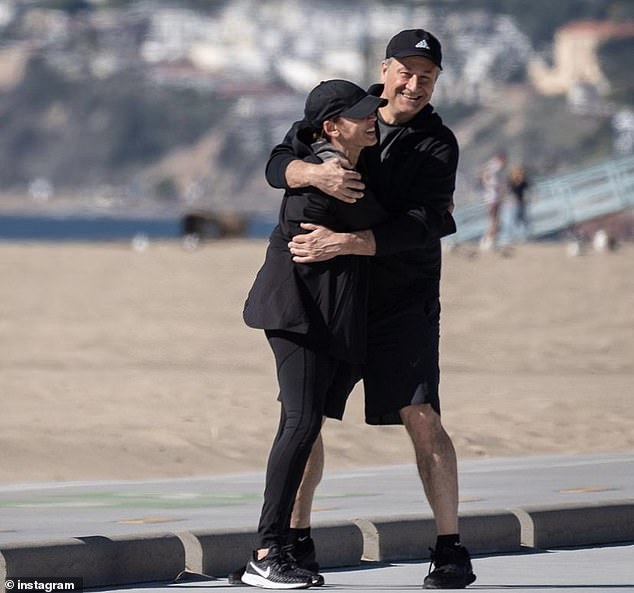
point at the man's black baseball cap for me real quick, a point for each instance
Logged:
(415, 42)
(332, 98)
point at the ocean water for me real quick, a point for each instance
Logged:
(103, 228)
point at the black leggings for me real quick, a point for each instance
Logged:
(304, 376)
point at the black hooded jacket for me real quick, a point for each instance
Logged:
(414, 179)
(327, 301)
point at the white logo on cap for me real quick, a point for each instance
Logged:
(422, 44)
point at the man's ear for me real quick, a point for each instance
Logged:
(385, 64)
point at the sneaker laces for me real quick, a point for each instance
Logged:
(279, 558)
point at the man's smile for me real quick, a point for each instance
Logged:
(409, 97)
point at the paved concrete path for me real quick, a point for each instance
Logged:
(595, 570)
(148, 531)
(37, 512)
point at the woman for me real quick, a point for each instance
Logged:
(494, 184)
(314, 315)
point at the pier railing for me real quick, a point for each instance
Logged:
(562, 201)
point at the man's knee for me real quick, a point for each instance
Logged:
(422, 423)
(420, 415)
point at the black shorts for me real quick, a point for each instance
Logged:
(345, 378)
(402, 362)
(337, 377)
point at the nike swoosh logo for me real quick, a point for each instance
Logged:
(262, 573)
(302, 539)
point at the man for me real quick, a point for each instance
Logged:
(417, 158)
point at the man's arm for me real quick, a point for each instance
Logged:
(401, 233)
(321, 244)
(333, 177)
(286, 170)
(412, 229)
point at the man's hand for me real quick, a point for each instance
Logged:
(334, 177)
(322, 244)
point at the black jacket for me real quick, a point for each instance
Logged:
(414, 180)
(327, 301)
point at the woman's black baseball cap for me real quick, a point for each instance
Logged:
(332, 98)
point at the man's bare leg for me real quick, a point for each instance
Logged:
(437, 465)
(300, 518)
(435, 458)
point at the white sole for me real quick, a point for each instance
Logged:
(257, 581)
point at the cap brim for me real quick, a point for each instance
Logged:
(366, 106)
(406, 53)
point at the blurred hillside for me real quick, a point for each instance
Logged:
(117, 106)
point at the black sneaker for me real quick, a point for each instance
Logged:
(275, 571)
(452, 569)
(303, 554)
(303, 550)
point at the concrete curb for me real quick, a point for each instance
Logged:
(577, 524)
(219, 552)
(408, 537)
(490, 532)
(193, 552)
(224, 551)
(103, 561)
(338, 543)
(404, 538)
(98, 560)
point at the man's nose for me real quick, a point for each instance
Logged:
(413, 83)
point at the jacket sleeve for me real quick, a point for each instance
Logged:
(307, 206)
(412, 230)
(279, 159)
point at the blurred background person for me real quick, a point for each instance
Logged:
(518, 184)
(493, 178)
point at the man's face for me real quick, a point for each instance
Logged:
(409, 84)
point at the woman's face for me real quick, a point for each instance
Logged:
(356, 133)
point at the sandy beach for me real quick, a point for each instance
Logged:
(124, 364)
